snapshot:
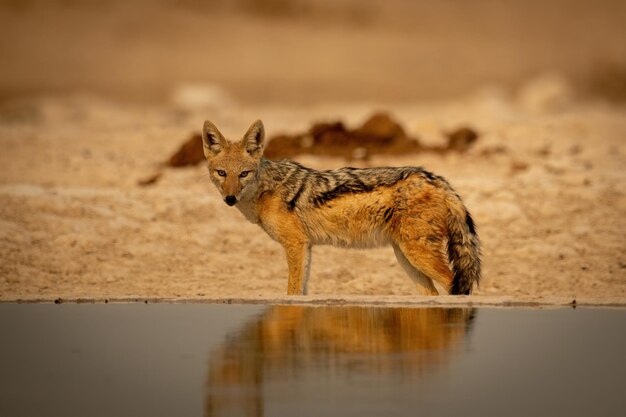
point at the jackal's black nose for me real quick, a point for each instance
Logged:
(230, 200)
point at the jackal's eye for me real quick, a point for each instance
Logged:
(244, 174)
(221, 172)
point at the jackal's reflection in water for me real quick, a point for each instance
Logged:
(286, 340)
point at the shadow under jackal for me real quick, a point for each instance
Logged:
(416, 212)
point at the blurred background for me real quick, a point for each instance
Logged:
(519, 104)
(302, 52)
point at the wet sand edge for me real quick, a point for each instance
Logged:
(368, 301)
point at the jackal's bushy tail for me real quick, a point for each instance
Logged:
(463, 250)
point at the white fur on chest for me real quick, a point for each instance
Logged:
(248, 209)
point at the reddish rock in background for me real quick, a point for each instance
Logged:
(379, 135)
(189, 153)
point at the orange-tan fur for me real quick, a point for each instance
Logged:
(414, 211)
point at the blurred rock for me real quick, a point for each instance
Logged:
(461, 139)
(150, 180)
(379, 134)
(518, 167)
(547, 93)
(380, 128)
(494, 150)
(328, 134)
(194, 97)
(607, 82)
(189, 153)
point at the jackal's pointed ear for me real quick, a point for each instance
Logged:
(212, 140)
(254, 139)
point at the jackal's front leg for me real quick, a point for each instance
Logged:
(299, 263)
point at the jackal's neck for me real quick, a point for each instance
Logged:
(270, 176)
(274, 173)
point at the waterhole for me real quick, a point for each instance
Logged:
(251, 360)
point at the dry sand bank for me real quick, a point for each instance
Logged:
(545, 183)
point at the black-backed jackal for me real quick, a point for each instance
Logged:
(416, 212)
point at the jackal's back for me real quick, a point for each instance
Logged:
(304, 187)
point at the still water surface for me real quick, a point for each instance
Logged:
(218, 360)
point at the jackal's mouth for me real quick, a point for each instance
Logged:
(231, 200)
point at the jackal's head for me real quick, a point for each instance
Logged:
(234, 166)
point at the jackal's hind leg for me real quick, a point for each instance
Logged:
(424, 283)
(307, 271)
(428, 257)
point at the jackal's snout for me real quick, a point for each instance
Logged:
(231, 200)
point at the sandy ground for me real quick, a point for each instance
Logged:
(545, 183)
